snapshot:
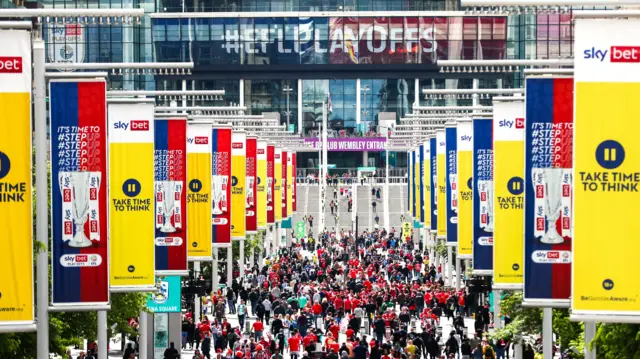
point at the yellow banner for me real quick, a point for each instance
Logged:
(131, 202)
(277, 184)
(416, 177)
(406, 230)
(464, 135)
(290, 183)
(426, 188)
(508, 199)
(238, 182)
(16, 237)
(261, 174)
(410, 182)
(199, 191)
(16, 257)
(441, 176)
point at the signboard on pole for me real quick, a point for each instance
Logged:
(606, 162)
(285, 185)
(277, 184)
(508, 197)
(433, 181)
(199, 191)
(290, 183)
(79, 248)
(271, 213)
(441, 183)
(416, 184)
(220, 186)
(238, 184)
(167, 297)
(483, 220)
(131, 197)
(160, 334)
(252, 186)
(410, 190)
(171, 196)
(426, 182)
(16, 227)
(294, 182)
(464, 135)
(451, 163)
(261, 184)
(300, 230)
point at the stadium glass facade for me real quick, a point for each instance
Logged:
(287, 57)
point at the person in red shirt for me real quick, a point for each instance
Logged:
(258, 327)
(347, 305)
(334, 329)
(338, 303)
(294, 345)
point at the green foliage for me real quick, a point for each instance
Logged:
(441, 248)
(524, 321)
(614, 341)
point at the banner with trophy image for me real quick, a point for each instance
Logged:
(283, 187)
(441, 183)
(464, 135)
(79, 237)
(606, 193)
(410, 189)
(16, 227)
(220, 188)
(548, 165)
(277, 183)
(426, 182)
(451, 163)
(199, 191)
(238, 183)
(290, 183)
(416, 183)
(433, 181)
(482, 196)
(171, 196)
(294, 182)
(261, 184)
(252, 187)
(271, 155)
(508, 194)
(131, 196)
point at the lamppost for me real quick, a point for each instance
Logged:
(287, 113)
(363, 110)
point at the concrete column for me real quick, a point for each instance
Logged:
(458, 273)
(547, 333)
(197, 311)
(449, 267)
(589, 334)
(175, 330)
(229, 265)
(300, 114)
(214, 270)
(143, 337)
(358, 103)
(102, 334)
(497, 322)
(241, 258)
(517, 348)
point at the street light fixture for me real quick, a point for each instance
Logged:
(288, 90)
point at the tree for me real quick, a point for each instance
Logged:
(615, 341)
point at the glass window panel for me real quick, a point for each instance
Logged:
(486, 28)
(380, 45)
(428, 44)
(554, 32)
(499, 28)
(455, 28)
(441, 28)
(202, 29)
(365, 42)
(470, 28)
(173, 32)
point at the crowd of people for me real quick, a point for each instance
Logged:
(345, 296)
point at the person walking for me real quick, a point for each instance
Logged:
(206, 346)
(335, 193)
(373, 206)
(171, 352)
(241, 311)
(378, 194)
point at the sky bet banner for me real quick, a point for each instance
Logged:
(607, 158)
(441, 183)
(271, 164)
(277, 183)
(285, 212)
(548, 168)
(294, 182)
(16, 246)
(252, 186)
(131, 197)
(220, 188)
(416, 183)
(261, 184)
(199, 191)
(289, 182)
(238, 183)
(421, 181)
(464, 135)
(171, 196)
(79, 249)
(451, 163)
(508, 170)
(426, 183)
(482, 140)
(433, 181)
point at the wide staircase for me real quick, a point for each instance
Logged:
(309, 198)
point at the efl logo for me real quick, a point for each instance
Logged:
(139, 125)
(10, 65)
(202, 140)
(236, 145)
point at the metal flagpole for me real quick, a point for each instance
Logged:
(214, 270)
(196, 300)
(102, 334)
(42, 212)
(547, 333)
(325, 147)
(143, 328)
(387, 225)
(320, 178)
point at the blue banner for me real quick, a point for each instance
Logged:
(168, 297)
(79, 247)
(548, 209)
(451, 134)
(409, 179)
(413, 183)
(483, 196)
(432, 180)
(422, 159)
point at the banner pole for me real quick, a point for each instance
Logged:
(102, 334)
(547, 333)
(196, 298)
(241, 259)
(42, 212)
(253, 250)
(589, 334)
(214, 271)
(497, 321)
(387, 225)
(143, 326)
(458, 274)
(229, 266)
(448, 270)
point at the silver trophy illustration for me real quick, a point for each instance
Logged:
(269, 190)
(435, 185)
(487, 187)
(552, 181)
(217, 191)
(250, 195)
(168, 189)
(77, 184)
